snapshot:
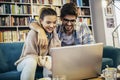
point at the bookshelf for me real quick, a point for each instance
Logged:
(14, 19)
(15, 16)
(84, 13)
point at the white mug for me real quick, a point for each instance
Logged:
(110, 73)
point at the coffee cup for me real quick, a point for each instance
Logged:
(110, 73)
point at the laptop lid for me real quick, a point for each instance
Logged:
(77, 62)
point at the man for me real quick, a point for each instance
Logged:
(69, 32)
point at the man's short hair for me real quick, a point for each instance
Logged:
(68, 9)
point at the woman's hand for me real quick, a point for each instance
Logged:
(45, 61)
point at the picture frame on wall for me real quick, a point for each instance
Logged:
(110, 22)
(109, 11)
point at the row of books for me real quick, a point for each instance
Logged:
(20, 21)
(82, 3)
(15, 9)
(36, 9)
(14, 21)
(13, 36)
(83, 11)
(4, 21)
(21, 1)
(53, 2)
(58, 19)
(85, 20)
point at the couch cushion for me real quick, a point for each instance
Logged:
(107, 61)
(12, 75)
(3, 63)
(15, 75)
(12, 52)
(113, 53)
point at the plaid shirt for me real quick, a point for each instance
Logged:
(82, 35)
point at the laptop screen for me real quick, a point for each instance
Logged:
(77, 62)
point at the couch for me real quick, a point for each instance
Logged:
(10, 52)
(111, 57)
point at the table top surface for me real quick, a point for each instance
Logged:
(100, 78)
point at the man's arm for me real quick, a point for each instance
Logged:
(86, 35)
(36, 27)
(42, 38)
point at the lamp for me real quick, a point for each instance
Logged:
(112, 2)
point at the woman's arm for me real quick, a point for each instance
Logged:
(42, 38)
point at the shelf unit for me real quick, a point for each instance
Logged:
(14, 20)
(15, 15)
(84, 13)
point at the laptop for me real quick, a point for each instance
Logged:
(77, 62)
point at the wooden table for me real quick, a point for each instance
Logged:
(98, 78)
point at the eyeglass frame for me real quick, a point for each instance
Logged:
(71, 21)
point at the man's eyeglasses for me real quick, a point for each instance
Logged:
(71, 21)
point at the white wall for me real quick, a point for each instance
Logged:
(101, 32)
(98, 25)
(117, 12)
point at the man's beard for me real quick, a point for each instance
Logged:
(68, 30)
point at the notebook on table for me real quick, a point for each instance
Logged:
(77, 62)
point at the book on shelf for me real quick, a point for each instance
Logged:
(5, 21)
(36, 9)
(25, 1)
(57, 9)
(15, 9)
(12, 9)
(22, 35)
(20, 21)
(85, 20)
(13, 36)
(1, 37)
(79, 3)
(57, 2)
(66, 1)
(2, 20)
(5, 9)
(85, 11)
(85, 2)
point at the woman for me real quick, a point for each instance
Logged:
(33, 54)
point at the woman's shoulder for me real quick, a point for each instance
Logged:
(32, 34)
